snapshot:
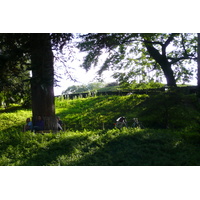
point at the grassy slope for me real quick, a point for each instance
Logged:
(107, 148)
(101, 147)
(155, 111)
(92, 113)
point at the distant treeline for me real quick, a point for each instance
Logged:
(185, 90)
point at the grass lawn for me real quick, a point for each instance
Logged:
(127, 147)
(84, 143)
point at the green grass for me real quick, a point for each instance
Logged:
(84, 143)
(13, 119)
(164, 110)
(127, 147)
(94, 112)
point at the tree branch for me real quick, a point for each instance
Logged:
(171, 37)
(174, 60)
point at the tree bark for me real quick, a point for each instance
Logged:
(169, 75)
(161, 59)
(42, 80)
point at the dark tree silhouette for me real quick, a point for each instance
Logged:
(34, 52)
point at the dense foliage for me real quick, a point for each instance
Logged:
(139, 54)
(20, 53)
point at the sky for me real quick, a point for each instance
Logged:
(84, 77)
(77, 72)
(81, 76)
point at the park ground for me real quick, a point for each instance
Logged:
(170, 137)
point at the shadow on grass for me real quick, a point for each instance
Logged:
(143, 150)
(114, 148)
(48, 155)
(13, 129)
(11, 109)
(10, 136)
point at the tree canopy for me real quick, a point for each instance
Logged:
(167, 54)
(15, 56)
(22, 52)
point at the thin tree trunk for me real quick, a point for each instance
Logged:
(42, 80)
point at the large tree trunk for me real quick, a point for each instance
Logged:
(42, 80)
